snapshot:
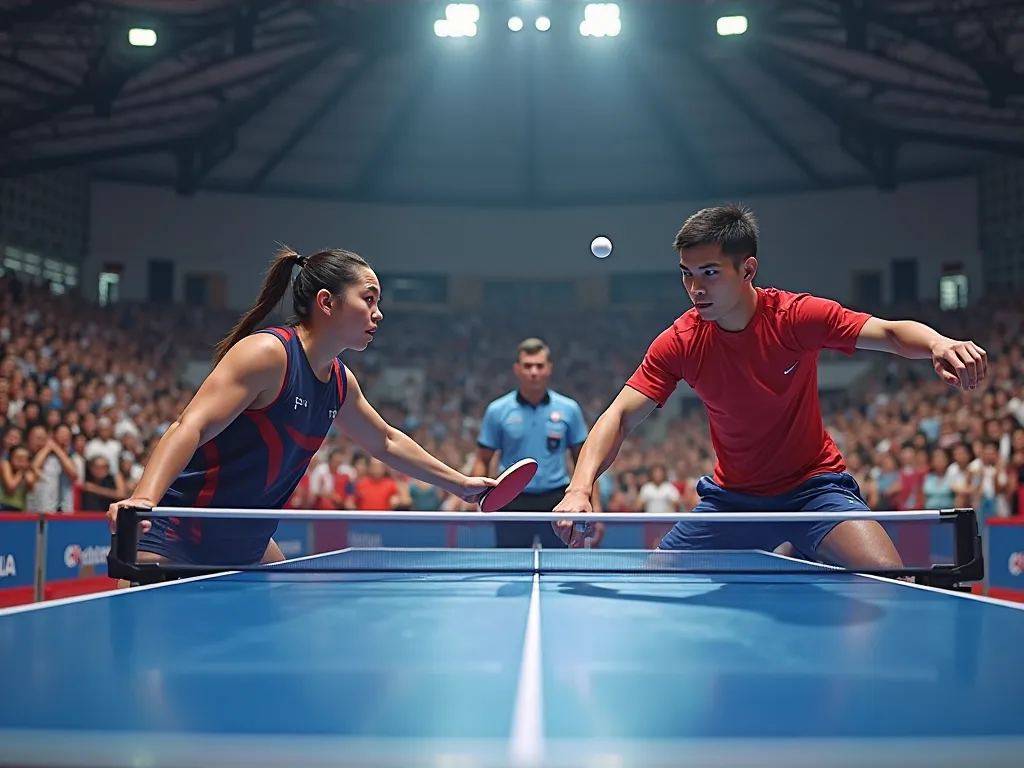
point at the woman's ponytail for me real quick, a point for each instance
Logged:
(275, 285)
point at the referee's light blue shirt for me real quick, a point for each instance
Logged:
(520, 430)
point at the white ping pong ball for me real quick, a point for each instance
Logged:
(601, 247)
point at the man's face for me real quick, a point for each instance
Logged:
(533, 371)
(713, 281)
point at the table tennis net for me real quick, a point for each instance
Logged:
(432, 547)
(527, 561)
(458, 547)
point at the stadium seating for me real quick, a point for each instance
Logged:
(87, 391)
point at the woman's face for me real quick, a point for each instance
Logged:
(12, 437)
(20, 459)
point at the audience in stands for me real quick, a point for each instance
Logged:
(85, 392)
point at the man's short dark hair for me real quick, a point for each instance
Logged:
(732, 227)
(532, 346)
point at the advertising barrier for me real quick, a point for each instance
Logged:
(1005, 564)
(295, 539)
(19, 542)
(43, 557)
(76, 555)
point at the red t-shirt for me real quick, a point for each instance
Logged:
(759, 386)
(334, 484)
(375, 494)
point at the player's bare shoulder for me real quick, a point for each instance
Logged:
(260, 360)
(258, 350)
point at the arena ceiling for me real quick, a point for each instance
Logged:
(358, 100)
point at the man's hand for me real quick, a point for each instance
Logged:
(960, 364)
(573, 503)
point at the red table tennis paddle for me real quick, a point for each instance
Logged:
(510, 484)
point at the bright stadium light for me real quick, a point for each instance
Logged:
(543, 24)
(732, 25)
(601, 20)
(515, 24)
(142, 38)
(459, 21)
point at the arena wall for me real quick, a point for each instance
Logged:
(810, 243)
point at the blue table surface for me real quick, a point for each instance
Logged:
(271, 668)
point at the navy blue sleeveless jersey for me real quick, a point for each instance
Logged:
(256, 463)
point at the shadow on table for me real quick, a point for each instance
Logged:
(806, 604)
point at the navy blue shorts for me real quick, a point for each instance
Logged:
(224, 541)
(827, 492)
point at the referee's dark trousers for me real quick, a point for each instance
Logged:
(522, 535)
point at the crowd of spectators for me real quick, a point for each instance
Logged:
(86, 391)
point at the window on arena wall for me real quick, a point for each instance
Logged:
(529, 294)
(33, 268)
(109, 288)
(645, 289)
(414, 288)
(952, 292)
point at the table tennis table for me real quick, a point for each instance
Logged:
(526, 664)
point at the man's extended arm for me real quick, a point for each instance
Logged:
(601, 447)
(595, 493)
(958, 363)
(599, 451)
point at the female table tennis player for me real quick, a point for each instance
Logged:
(246, 438)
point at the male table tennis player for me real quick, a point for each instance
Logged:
(247, 437)
(533, 421)
(751, 355)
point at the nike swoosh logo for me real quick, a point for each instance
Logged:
(790, 369)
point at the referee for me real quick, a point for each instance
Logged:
(533, 422)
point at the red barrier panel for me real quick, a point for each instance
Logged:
(1002, 593)
(55, 590)
(17, 596)
(329, 535)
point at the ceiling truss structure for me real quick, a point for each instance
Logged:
(888, 74)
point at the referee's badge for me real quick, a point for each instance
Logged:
(555, 431)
